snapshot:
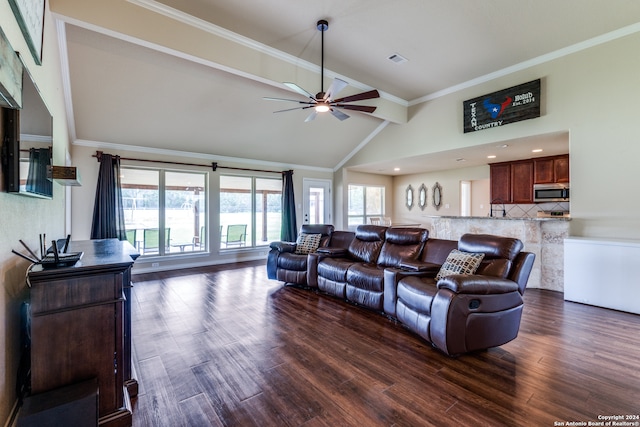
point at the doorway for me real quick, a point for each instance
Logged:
(316, 201)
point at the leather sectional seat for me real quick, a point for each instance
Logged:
(357, 275)
(394, 270)
(286, 265)
(461, 313)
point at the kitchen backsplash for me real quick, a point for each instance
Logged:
(530, 211)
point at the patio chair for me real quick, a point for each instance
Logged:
(199, 241)
(151, 242)
(131, 238)
(236, 235)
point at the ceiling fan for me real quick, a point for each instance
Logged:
(325, 101)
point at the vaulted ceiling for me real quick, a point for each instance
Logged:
(190, 75)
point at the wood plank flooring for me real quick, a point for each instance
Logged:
(224, 346)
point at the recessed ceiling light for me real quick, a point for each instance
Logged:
(491, 156)
(504, 146)
(396, 169)
(537, 150)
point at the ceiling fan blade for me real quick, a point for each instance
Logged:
(339, 114)
(359, 96)
(336, 86)
(291, 109)
(363, 108)
(267, 98)
(311, 116)
(299, 90)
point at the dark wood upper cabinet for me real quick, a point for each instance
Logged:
(500, 179)
(549, 170)
(512, 182)
(561, 168)
(522, 182)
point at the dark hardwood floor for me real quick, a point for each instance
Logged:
(224, 346)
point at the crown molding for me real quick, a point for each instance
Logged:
(604, 38)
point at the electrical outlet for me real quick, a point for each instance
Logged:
(155, 264)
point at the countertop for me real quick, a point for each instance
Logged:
(508, 218)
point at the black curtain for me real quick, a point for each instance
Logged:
(108, 213)
(289, 232)
(37, 182)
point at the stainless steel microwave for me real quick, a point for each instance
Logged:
(551, 192)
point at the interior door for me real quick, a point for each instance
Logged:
(316, 201)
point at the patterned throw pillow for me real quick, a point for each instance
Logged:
(307, 243)
(459, 262)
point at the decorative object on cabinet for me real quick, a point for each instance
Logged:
(409, 197)
(436, 194)
(30, 17)
(422, 196)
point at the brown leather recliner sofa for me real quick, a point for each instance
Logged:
(462, 313)
(356, 273)
(393, 270)
(284, 264)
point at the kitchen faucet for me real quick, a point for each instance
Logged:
(494, 202)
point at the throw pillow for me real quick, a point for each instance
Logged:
(307, 243)
(459, 262)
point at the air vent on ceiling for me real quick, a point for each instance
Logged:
(397, 58)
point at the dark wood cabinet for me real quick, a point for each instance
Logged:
(522, 182)
(512, 182)
(81, 326)
(500, 179)
(550, 170)
(561, 168)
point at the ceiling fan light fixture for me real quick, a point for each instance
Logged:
(322, 107)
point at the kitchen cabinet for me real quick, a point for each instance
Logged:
(512, 182)
(551, 170)
(500, 179)
(81, 326)
(522, 182)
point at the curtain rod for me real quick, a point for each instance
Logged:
(214, 165)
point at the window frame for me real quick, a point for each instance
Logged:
(364, 215)
(252, 231)
(162, 214)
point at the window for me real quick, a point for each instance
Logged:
(250, 211)
(364, 202)
(165, 211)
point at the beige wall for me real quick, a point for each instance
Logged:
(24, 217)
(449, 181)
(593, 94)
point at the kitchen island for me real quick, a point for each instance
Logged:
(542, 236)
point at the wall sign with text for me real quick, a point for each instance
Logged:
(500, 108)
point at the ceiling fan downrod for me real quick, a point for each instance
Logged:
(322, 26)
